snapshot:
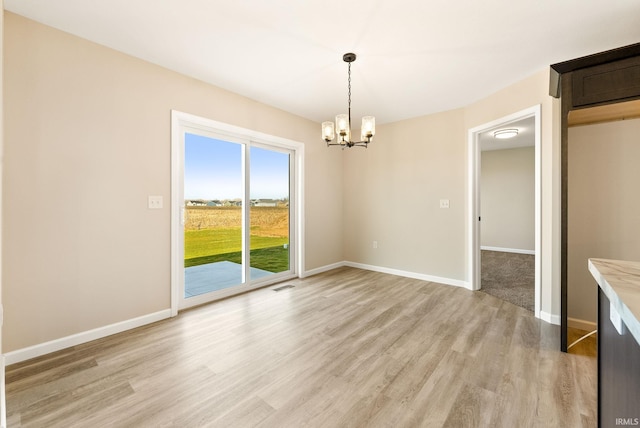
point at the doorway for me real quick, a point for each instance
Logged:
(235, 210)
(531, 115)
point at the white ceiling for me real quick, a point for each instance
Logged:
(415, 57)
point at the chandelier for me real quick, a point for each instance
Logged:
(343, 122)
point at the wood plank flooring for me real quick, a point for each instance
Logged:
(587, 346)
(346, 348)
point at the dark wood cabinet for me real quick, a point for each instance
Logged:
(616, 81)
(618, 372)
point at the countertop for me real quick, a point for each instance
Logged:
(620, 282)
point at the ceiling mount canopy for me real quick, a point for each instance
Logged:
(343, 121)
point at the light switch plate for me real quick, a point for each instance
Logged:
(155, 202)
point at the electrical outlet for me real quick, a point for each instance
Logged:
(444, 203)
(375, 244)
(155, 202)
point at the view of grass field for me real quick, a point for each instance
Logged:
(214, 234)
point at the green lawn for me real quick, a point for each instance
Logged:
(213, 245)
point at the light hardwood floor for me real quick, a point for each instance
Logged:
(346, 348)
(587, 346)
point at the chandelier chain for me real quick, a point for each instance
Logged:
(349, 95)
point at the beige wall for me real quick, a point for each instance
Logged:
(392, 192)
(603, 206)
(87, 140)
(508, 198)
(2, 402)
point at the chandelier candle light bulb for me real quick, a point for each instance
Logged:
(328, 131)
(368, 126)
(343, 122)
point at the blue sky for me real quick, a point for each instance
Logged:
(213, 170)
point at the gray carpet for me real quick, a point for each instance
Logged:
(510, 277)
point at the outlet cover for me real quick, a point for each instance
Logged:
(444, 203)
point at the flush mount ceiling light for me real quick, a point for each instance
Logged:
(343, 122)
(505, 133)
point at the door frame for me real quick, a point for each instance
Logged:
(180, 121)
(473, 174)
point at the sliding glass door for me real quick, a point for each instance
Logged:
(213, 196)
(269, 217)
(236, 214)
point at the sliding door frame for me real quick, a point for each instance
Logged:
(182, 123)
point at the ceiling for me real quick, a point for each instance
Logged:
(415, 57)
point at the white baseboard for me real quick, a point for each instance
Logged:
(581, 324)
(508, 250)
(83, 337)
(322, 269)
(550, 318)
(414, 275)
(407, 274)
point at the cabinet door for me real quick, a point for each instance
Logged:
(618, 371)
(608, 82)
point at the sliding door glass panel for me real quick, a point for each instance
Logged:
(213, 190)
(269, 212)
